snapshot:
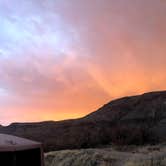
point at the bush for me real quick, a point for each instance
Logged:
(124, 135)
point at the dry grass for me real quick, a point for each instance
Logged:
(144, 156)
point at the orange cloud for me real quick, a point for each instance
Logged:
(74, 57)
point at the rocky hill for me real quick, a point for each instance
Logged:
(130, 120)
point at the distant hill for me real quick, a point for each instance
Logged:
(130, 120)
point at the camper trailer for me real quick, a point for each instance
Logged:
(15, 151)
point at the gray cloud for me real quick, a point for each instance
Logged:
(76, 55)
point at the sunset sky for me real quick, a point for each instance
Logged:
(63, 59)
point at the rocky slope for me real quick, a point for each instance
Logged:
(130, 120)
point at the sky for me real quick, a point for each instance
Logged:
(62, 59)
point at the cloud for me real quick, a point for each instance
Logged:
(62, 59)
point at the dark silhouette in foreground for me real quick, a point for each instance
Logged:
(15, 151)
(130, 120)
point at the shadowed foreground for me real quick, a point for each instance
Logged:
(145, 156)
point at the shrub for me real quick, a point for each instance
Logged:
(124, 135)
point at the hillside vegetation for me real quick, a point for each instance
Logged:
(136, 120)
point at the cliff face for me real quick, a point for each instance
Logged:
(129, 120)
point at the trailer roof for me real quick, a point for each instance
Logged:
(13, 143)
